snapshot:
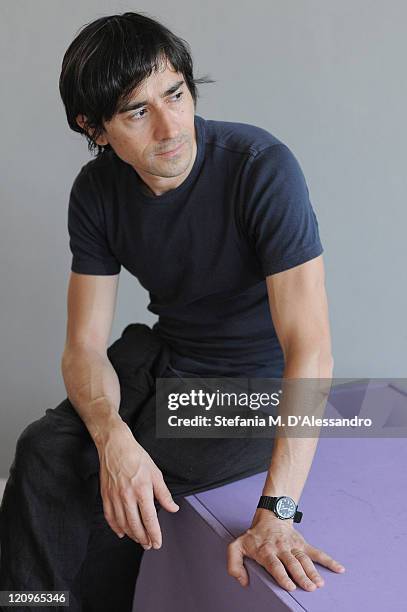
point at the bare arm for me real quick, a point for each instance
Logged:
(299, 310)
(91, 381)
(129, 478)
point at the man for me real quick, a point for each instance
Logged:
(214, 220)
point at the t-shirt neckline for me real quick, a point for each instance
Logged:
(170, 196)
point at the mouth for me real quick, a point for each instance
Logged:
(172, 152)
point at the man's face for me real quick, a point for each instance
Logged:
(158, 118)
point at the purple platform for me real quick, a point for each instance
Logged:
(355, 509)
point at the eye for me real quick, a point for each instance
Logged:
(137, 115)
(180, 94)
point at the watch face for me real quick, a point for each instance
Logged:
(285, 507)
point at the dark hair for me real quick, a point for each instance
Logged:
(108, 59)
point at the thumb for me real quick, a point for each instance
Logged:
(164, 496)
(235, 564)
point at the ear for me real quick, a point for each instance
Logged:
(81, 121)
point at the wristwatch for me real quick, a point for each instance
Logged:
(284, 507)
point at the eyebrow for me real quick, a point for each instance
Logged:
(134, 105)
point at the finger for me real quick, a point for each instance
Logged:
(296, 569)
(110, 517)
(274, 566)
(323, 559)
(163, 494)
(119, 513)
(235, 564)
(308, 566)
(149, 516)
(135, 527)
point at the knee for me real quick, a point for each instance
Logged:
(35, 437)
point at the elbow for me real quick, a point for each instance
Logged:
(314, 358)
(327, 364)
(324, 362)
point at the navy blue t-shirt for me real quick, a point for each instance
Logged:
(204, 249)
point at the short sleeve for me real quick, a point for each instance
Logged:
(87, 233)
(277, 214)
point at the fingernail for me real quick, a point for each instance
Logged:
(156, 545)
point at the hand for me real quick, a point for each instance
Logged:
(278, 547)
(129, 479)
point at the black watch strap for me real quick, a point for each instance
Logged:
(269, 503)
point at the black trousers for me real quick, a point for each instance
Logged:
(53, 533)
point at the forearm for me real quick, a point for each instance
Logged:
(93, 388)
(292, 457)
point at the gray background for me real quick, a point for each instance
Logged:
(327, 78)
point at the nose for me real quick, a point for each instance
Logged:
(166, 129)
